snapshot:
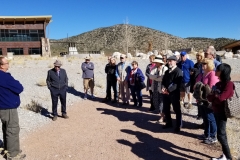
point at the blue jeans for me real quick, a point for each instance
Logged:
(221, 121)
(210, 126)
(136, 92)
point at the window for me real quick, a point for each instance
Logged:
(33, 31)
(0, 51)
(16, 51)
(33, 51)
(13, 31)
(21, 35)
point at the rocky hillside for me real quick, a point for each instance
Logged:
(143, 39)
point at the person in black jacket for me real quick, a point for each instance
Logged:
(171, 84)
(112, 80)
(57, 82)
(107, 82)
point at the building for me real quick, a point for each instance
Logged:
(234, 46)
(24, 35)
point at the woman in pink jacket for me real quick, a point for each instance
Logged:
(208, 77)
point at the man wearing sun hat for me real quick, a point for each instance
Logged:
(156, 76)
(57, 82)
(88, 76)
(171, 84)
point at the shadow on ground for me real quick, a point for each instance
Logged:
(150, 148)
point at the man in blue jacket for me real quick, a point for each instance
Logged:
(9, 102)
(57, 82)
(185, 65)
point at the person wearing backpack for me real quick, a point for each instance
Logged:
(223, 90)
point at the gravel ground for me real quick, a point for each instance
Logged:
(31, 72)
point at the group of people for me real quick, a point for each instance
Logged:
(126, 79)
(168, 80)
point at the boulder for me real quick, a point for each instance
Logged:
(228, 55)
(129, 55)
(116, 55)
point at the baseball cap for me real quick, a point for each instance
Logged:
(183, 53)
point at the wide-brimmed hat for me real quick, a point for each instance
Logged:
(176, 53)
(158, 59)
(87, 57)
(57, 63)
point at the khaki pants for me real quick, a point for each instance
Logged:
(124, 91)
(10, 129)
(88, 83)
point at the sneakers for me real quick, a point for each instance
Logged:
(210, 140)
(54, 118)
(202, 137)
(85, 97)
(65, 116)
(92, 97)
(17, 157)
(222, 157)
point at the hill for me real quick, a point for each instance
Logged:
(118, 37)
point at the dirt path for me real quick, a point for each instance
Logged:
(103, 131)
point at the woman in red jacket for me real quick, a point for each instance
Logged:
(223, 90)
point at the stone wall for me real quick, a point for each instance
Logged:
(46, 48)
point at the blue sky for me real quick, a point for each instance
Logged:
(182, 18)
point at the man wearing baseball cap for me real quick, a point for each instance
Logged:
(186, 65)
(57, 82)
(171, 84)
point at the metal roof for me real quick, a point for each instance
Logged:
(45, 18)
(231, 45)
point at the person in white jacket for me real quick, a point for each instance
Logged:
(156, 76)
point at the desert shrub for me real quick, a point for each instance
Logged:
(42, 82)
(34, 106)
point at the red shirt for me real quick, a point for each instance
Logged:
(226, 90)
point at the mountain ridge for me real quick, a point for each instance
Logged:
(132, 38)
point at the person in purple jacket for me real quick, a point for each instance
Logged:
(88, 76)
(9, 102)
(136, 77)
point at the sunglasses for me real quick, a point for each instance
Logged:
(182, 55)
(57, 66)
(121, 58)
(133, 64)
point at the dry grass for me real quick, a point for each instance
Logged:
(34, 106)
(42, 82)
